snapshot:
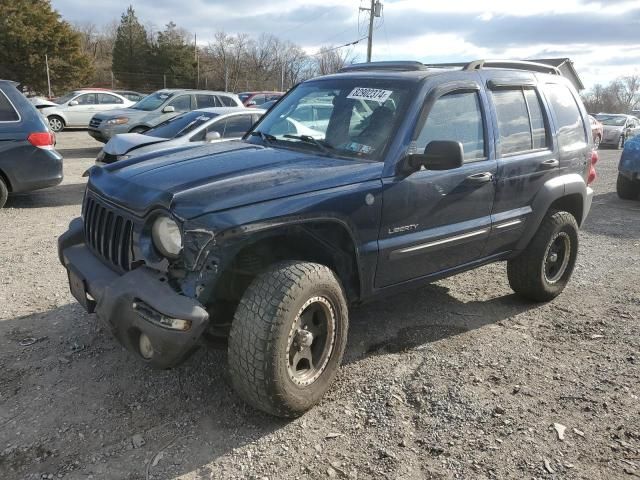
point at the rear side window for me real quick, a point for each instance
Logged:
(7, 112)
(520, 120)
(226, 101)
(206, 101)
(456, 116)
(571, 130)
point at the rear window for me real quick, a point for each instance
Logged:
(7, 112)
(571, 130)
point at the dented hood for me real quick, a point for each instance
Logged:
(221, 176)
(125, 142)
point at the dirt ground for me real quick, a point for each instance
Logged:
(460, 379)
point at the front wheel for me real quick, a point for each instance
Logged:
(627, 189)
(543, 269)
(287, 338)
(56, 124)
(4, 193)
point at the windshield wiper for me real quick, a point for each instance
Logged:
(266, 137)
(312, 141)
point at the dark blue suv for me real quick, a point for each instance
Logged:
(382, 177)
(28, 160)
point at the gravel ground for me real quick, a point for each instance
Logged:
(460, 379)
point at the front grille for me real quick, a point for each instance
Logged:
(108, 233)
(95, 122)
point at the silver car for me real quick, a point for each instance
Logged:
(189, 129)
(76, 108)
(155, 109)
(616, 128)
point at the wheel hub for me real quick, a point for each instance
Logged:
(311, 341)
(557, 257)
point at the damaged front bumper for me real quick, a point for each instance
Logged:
(140, 307)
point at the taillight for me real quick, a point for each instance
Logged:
(41, 139)
(592, 169)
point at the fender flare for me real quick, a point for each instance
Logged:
(552, 190)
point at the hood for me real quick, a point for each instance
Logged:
(40, 103)
(224, 175)
(126, 142)
(121, 112)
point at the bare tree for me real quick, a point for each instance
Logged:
(330, 60)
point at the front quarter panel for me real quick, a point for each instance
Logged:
(214, 239)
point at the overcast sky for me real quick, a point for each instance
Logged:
(602, 37)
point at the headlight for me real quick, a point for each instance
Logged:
(117, 121)
(167, 237)
(123, 157)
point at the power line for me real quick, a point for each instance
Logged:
(322, 51)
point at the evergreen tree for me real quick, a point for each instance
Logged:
(174, 57)
(131, 52)
(31, 29)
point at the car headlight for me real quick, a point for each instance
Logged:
(123, 157)
(117, 121)
(167, 237)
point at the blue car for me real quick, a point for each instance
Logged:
(628, 185)
(28, 160)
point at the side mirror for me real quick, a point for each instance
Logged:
(212, 137)
(168, 109)
(438, 155)
(73, 103)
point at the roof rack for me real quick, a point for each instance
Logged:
(402, 66)
(515, 64)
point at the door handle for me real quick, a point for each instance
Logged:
(551, 163)
(478, 178)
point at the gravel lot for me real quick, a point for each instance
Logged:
(460, 379)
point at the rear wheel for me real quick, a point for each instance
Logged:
(543, 269)
(627, 189)
(4, 192)
(288, 337)
(56, 124)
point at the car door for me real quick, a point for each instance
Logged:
(526, 155)
(79, 114)
(433, 221)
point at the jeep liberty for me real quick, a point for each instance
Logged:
(382, 177)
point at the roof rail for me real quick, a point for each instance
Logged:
(515, 64)
(402, 66)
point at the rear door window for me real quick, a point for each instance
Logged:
(521, 123)
(226, 101)
(105, 98)
(571, 129)
(7, 112)
(206, 101)
(456, 116)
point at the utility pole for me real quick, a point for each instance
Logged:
(46, 62)
(196, 57)
(374, 11)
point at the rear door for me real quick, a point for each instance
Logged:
(527, 156)
(433, 221)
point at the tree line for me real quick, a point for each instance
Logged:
(132, 54)
(621, 95)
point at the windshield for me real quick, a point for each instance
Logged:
(65, 98)
(353, 118)
(181, 125)
(153, 101)
(612, 120)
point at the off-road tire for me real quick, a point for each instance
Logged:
(4, 192)
(627, 189)
(56, 123)
(526, 272)
(259, 338)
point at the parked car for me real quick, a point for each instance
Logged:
(256, 99)
(597, 131)
(617, 128)
(28, 160)
(265, 242)
(76, 108)
(131, 95)
(628, 184)
(192, 128)
(155, 109)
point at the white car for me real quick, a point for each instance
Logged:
(76, 108)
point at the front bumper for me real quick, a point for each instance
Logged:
(132, 304)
